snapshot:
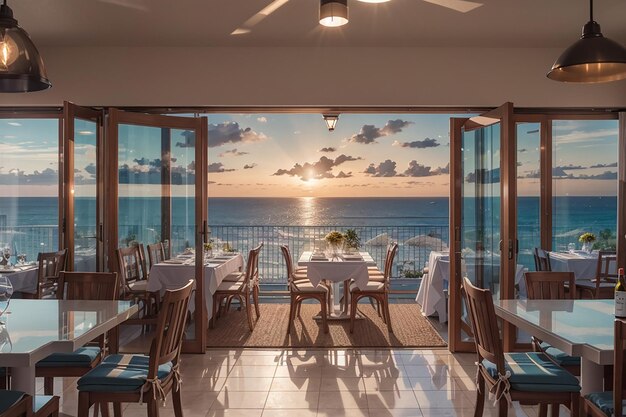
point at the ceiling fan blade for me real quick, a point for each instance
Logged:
(131, 4)
(462, 6)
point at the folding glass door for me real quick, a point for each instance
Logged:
(482, 209)
(82, 204)
(157, 193)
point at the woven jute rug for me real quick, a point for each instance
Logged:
(410, 329)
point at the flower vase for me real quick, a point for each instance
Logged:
(334, 249)
(587, 247)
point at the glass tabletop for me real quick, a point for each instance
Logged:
(579, 322)
(30, 324)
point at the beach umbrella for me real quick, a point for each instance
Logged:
(427, 242)
(378, 240)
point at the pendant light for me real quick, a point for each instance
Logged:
(333, 13)
(21, 66)
(592, 59)
(331, 121)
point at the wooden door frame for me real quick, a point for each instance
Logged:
(71, 112)
(200, 126)
(508, 216)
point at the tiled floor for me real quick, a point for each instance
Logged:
(337, 383)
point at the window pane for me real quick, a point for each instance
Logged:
(584, 182)
(29, 201)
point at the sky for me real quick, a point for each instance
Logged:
(294, 155)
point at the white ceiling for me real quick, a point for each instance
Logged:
(496, 23)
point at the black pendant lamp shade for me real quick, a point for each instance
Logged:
(21, 66)
(591, 59)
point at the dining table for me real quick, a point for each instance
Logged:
(582, 328)
(431, 295)
(23, 278)
(338, 269)
(583, 264)
(30, 330)
(174, 273)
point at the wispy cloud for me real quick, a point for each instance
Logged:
(369, 133)
(419, 144)
(232, 152)
(318, 170)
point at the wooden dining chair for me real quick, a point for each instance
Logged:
(78, 286)
(528, 377)
(375, 289)
(19, 404)
(50, 265)
(542, 260)
(156, 254)
(140, 378)
(300, 289)
(133, 284)
(611, 403)
(242, 289)
(603, 286)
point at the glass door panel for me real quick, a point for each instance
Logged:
(158, 195)
(83, 236)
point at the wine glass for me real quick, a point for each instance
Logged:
(6, 291)
(21, 258)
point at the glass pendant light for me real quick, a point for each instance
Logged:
(592, 59)
(331, 121)
(333, 13)
(21, 66)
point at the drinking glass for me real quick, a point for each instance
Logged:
(21, 258)
(6, 291)
(6, 252)
(571, 247)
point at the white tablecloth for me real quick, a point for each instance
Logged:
(337, 270)
(165, 276)
(24, 279)
(431, 295)
(582, 264)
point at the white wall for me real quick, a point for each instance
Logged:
(310, 77)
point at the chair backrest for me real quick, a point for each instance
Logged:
(252, 267)
(51, 264)
(391, 255)
(170, 329)
(167, 249)
(546, 285)
(131, 267)
(88, 286)
(542, 260)
(606, 259)
(479, 303)
(288, 262)
(156, 253)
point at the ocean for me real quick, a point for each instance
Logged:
(30, 222)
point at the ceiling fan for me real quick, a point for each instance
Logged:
(334, 12)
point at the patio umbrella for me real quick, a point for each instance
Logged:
(378, 240)
(427, 242)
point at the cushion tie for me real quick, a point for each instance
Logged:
(157, 389)
(502, 387)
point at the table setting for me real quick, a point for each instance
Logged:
(582, 263)
(22, 275)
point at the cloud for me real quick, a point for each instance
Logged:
(611, 165)
(417, 170)
(384, 169)
(522, 150)
(91, 169)
(48, 176)
(232, 152)
(442, 170)
(570, 167)
(218, 167)
(318, 170)
(328, 149)
(261, 119)
(369, 133)
(249, 166)
(562, 175)
(484, 176)
(222, 133)
(419, 144)
(576, 136)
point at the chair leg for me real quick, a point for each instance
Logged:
(248, 308)
(385, 304)
(104, 407)
(153, 408)
(299, 307)
(178, 404)
(48, 385)
(255, 295)
(503, 407)
(214, 308)
(543, 410)
(83, 404)
(324, 314)
(554, 409)
(117, 409)
(575, 406)
(353, 303)
(291, 313)
(480, 395)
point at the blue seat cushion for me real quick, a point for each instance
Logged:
(80, 357)
(120, 373)
(534, 372)
(9, 398)
(604, 401)
(559, 356)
